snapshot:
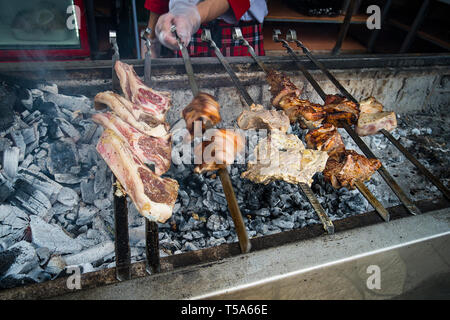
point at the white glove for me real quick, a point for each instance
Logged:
(186, 18)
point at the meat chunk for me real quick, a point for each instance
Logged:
(284, 157)
(336, 119)
(325, 138)
(280, 86)
(259, 118)
(152, 104)
(149, 150)
(370, 105)
(295, 108)
(202, 108)
(123, 108)
(153, 196)
(344, 169)
(339, 109)
(371, 123)
(220, 151)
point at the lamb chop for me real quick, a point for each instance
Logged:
(280, 86)
(152, 104)
(202, 108)
(123, 108)
(325, 138)
(344, 169)
(259, 118)
(153, 196)
(149, 150)
(220, 151)
(284, 157)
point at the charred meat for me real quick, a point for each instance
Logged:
(280, 86)
(202, 108)
(259, 118)
(325, 138)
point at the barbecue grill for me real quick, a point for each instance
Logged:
(301, 263)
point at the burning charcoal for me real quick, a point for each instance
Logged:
(41, 182)
(48, 87)
(28, 135)
(11, 162)
(73, 103)
(217, 223)
(88, 132)
(90, 255)
(221, 234)
(264, 212)
(86, 214)
(87, 191)
(35, 142)
(102, 203)
(213, 242)
(55, 265)
(18, 259)
(28, 197)
(283, 223)
(13, 224)
(52, 237)
(100, 178)
(32, 118)
(68, 197)
(5, 143)
(63, 156)
(188, 246)
(19, 142)
(68, 129)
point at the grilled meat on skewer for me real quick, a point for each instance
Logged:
(372, 118)
(370, 105)
(220, 151)
(121, 106)
(152, 103)
(280, 86)
(202, 108)
(295, 107)
(149, 150)
(325, 138)
(284, 157)
(153, 196)
(259, 118)
(344, 169)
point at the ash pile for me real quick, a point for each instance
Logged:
(56, 191)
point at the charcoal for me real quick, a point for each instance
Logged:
(43, 254)
(213, 242)
(18, 139)
(41, 182)
(217, 223)
(221, 234)
(188, 236)
(35, 143)
(68, 129)
(49, 109)
(63, 156)
(11, 162)
(67, 178)
(89, 131)
(188, 246)
(18, 259)
(28, 197)
(100, 178)
(13, 223)
(68, 197)
(43, 129)
(7, 101)
(184, 198)
(87, 191)
(52, 237)
(28, 135)
(264, 212)
(72, 103)
(48, 88)
(36, 93)
(5, 143)
(102, 203)
(32, 118)
(54, 132)
(86, 214)
(55, 265)
(6, 188)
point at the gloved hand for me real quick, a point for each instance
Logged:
(185, 16)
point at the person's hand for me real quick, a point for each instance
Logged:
(155, 48)
(185, 17)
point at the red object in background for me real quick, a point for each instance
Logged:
(82, 52)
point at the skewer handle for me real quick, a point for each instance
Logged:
(373, 201)
(235, 212)
(326, 221)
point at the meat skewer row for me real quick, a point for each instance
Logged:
(202, 108)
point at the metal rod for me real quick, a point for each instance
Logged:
(136, 30)
(244, 241)
(206, 36)
(372, 200)
(121, 239)
(344, 28)
(153, 264)
(233, 207)
(147, 62)
(115, 58)
(291, 36)
(237, 36)
(415, 26)
(187, 63)
(376, 32)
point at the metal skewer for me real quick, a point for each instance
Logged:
(410, 206)
(206, 36)
(153, 263)
(121, 239)
(291, 36)
(233, 207)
